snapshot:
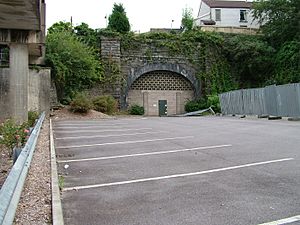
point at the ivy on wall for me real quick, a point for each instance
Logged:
(202, 50)
(223, 61)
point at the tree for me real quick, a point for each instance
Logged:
(118, 20)
(60, 27)
(87, 35)
(251, 58)
(280, 20)
(287, 62)
(75, 66)
(187, 20)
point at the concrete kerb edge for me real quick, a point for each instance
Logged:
(57, 214)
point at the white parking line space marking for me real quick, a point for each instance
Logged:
(124, 142)
(90, 123)
(110, 135)
(131, 119)
(284, 221)
(144, 154)
(100, 131)
(81, 122)
(87, 126)
(175, 175)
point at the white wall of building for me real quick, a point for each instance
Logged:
(230, 17)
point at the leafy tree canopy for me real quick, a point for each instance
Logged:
(288, 63)
(187, 20)
(75, 65)
(280, 20)
(87, 35)
(60, 27)
(118, 20)
(250, 58)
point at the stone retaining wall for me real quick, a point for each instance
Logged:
(38, 91)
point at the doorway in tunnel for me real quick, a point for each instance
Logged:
(152, 87)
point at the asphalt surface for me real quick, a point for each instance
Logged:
(178, 170)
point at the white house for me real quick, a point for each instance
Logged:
(223, 13)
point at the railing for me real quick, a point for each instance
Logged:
(281, 100)
(12, 188)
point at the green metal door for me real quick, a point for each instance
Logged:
(162, 107)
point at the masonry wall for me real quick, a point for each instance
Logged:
(141, 58)
(38, 91)
(147, 54)
(149, 100)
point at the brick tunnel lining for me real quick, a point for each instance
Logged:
(162, 80)
(157, 85)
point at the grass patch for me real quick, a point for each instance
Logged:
(61, 182)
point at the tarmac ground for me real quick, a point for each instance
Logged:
(179, 170)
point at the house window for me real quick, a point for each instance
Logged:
(218, 14)
(243, 15)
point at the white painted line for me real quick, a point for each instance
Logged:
(175, 175)
(100, 131)
(86, 127)
(110, 135)
(124, 142)
(130, 119)
(85, 124)
(91, 123)
(284, 221)
(144, 154)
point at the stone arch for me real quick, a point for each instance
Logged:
(189, 74)
(177, 95)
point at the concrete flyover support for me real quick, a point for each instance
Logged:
(18, 81)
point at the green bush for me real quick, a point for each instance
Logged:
(195, 105)
(214, 102)
(136, 110)
(13, 134)
(66, 101)
(74, 65)
(105, 104)
(32, 117)
(204, 103)
(80, 103)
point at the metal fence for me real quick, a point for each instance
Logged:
(281, 100)
(11, 190)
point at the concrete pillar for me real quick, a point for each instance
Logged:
(18, 88)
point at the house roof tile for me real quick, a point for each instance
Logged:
(227, 4)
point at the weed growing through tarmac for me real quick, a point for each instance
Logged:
(61, 182)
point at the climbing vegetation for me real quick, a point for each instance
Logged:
(204, 51)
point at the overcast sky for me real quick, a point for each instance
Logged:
(142, 14)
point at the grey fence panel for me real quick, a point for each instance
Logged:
(283, 100)
(288, 100)
(298, 95)
(271, 100)
(228, 98)
(237, 97)
(232, 102)
(254, 101)
(225, 103)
